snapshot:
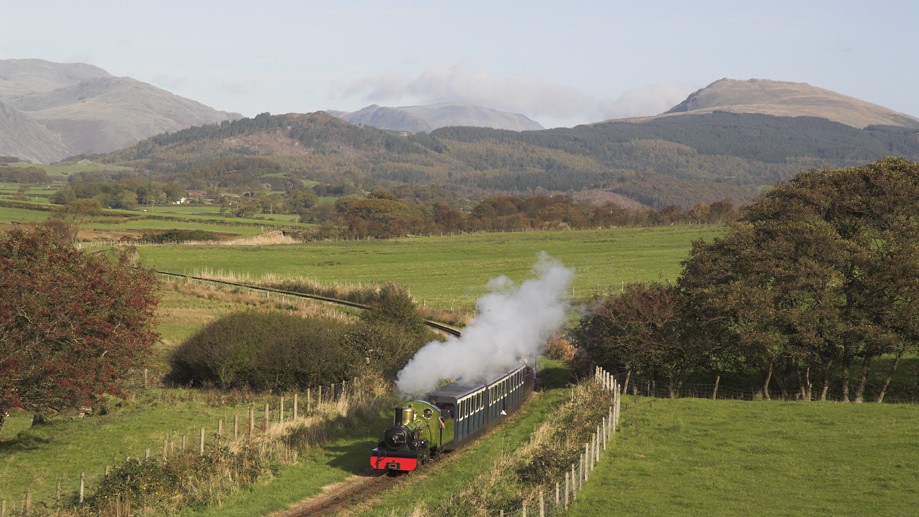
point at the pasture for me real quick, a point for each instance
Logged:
(704, 457)
(451, 270)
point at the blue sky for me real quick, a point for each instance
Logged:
(560, 63)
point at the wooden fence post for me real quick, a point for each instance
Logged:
(307, 400)
(28, 500)
(295, 405)
(147, 453)
(524, 509)
(145, 378)
(201, 443)
(557, 495)
(251, 422)
(220, 427)
(184, 442)
(715, 393)
(542, 504)
(265, 420)
(82, 486)
(567, 489)
(281, 410)
(3, 508)
(235, 427)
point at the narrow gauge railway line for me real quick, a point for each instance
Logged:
(346, 496)
(431, 323)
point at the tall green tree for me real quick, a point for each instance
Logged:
(823, 270)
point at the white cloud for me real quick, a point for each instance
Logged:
(519, 93)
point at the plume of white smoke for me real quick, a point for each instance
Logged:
(513, 324)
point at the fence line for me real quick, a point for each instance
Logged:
(283, 411)
(563, 491)
(718, 390)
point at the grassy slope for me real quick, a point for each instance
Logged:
(60, 452)
(702, 457)
(446, 270)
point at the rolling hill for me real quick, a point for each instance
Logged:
(681, 160)
(84, 109)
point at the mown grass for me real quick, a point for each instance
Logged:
(450, 270)
(703, 457)
(22, 215)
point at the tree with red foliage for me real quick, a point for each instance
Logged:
(72, 324)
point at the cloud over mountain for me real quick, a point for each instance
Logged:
(519, 93)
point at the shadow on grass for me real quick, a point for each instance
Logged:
(553, 377)
(353, 457)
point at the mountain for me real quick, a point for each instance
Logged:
(786, 99)
(416, 119)
(26, 139)
(87, 110)
(680, 160)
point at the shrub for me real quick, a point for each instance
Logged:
(264, 351)
(176, 236)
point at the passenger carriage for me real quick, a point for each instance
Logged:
(448, 417)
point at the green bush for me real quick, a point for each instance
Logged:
(265, 351)
(176, 236)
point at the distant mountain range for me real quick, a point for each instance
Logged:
(416, 119)
(731, 139)
(49, 111)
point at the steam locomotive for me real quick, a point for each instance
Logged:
(446, 418)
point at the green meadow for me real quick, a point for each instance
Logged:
(448, 270)
(704, 457)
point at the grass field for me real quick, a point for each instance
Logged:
(703, 457)
(453, 269)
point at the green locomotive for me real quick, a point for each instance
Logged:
(447, 417)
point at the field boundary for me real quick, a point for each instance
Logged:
(280, 292)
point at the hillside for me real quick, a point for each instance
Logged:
(670, 160)
(414, 119)
(22, 137)
(84, 109)
(786, 99)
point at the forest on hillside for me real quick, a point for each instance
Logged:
(679, 161)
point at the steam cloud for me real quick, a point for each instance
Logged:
(513, 324)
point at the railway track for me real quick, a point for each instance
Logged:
(346, 497)
(375, 482)
(335, 301)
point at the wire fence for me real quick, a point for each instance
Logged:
(717, 390)
(559, 495)
(278, 411)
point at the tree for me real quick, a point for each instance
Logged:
(639, 330)
(72, 324)
(822, 270)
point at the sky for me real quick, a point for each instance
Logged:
(560, 63)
